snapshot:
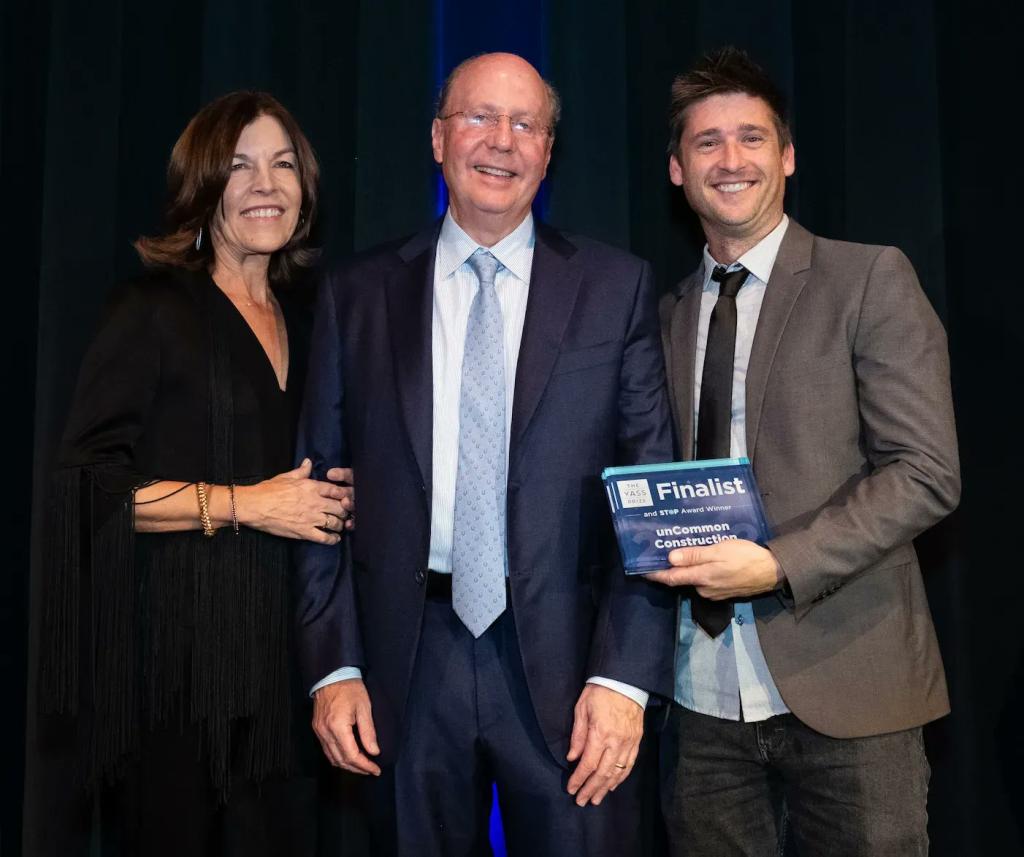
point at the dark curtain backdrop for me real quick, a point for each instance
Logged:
(903, 118)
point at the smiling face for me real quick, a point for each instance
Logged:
(260, 206)
(493, 174)
(732, 168)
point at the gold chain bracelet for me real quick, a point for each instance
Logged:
(204, 510)
(234, 510)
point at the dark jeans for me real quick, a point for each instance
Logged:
(732, 788)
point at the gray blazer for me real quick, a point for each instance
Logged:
(850, 431)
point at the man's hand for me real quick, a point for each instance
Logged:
(337, 708)
(348, 501)
(605, 738)
(731, 569)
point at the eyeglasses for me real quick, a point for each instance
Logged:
(476, 120)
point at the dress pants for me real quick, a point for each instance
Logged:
(469, 723)
(732, 788)
(165, 806)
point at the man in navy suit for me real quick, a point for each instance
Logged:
(478, 377)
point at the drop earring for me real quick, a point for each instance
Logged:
(199, 238)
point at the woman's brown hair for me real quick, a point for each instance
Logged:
(198, 172)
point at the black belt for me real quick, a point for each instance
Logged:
(439, 586)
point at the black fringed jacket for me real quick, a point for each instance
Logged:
(139, 628)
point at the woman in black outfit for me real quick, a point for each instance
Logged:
(166, 615)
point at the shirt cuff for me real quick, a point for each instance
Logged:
(341, 674)
(638, 696)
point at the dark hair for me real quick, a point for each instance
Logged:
(441, 105)
(722, 71)
(198, 173)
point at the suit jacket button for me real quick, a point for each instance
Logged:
(420, 576)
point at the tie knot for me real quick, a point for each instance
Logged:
(485, 266)
(730, 281)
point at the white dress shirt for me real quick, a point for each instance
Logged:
(727, 676)
(455, 286)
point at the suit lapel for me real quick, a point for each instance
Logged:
(410, 294)
(682, 337)
(554, 283)
(788, 277)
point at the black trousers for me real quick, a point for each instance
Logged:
(166, 806)
(733, 788)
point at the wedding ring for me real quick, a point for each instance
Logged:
(327, 520)
(622, 767)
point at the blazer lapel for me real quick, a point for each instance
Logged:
(682, 338)
(788, 277)
(554, 283)
(410, 294)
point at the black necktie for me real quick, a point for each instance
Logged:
(714, 418)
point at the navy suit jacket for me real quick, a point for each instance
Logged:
(589, 393)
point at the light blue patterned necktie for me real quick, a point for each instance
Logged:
(478, 539)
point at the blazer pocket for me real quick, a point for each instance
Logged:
(587, 357)
(901, 559)
(815, 367)
(900, 556)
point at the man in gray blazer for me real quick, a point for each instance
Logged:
(805, 668)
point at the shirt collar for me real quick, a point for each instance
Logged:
(454, 247)
(759, 259)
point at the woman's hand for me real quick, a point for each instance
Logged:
(294, 506)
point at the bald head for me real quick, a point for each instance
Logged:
(492, 137)
(499, 63)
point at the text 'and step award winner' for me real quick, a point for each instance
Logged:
(657, 508)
